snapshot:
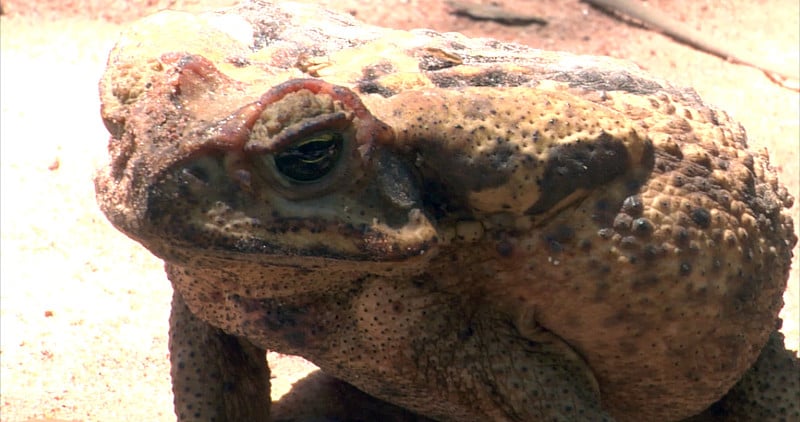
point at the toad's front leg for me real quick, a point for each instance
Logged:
(215, 376)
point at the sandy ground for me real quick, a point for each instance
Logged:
(83, 310)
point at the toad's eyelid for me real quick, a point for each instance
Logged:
(287, 137)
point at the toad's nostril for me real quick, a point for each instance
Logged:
(244, 179)
(201, 173)
(196, 174)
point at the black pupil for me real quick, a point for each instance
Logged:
(310, 159)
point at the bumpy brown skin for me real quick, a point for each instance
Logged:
(467, 229)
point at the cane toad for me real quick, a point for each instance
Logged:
(468, 229)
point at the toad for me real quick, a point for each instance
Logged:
(467, 229)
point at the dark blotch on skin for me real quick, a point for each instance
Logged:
(289, 323)
(489, 77)
(603, 80)
(562, 233)
(369, 84)
(466, 333)
(265, 32)
(431, 62)
(281, 317)
(438, 201)
(580, 165)
(449, 178)
(295, 338)
(701, 217)
(559, 237)
(602, 289)
(238, 61)
(247, 305)
(504, 248)
(554, 246)
(375, 71)
(644, 284)
(372, 87)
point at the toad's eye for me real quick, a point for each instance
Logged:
(310, 159)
